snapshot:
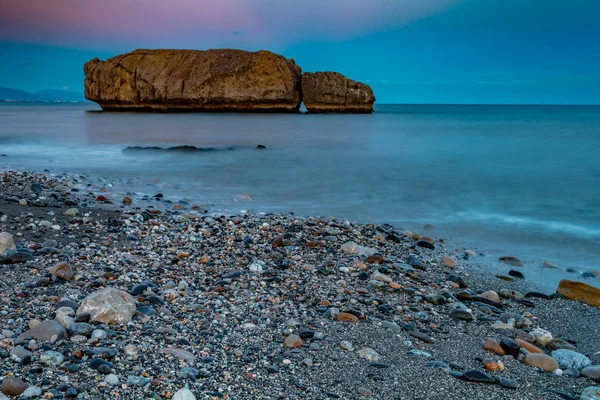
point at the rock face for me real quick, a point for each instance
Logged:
(109, 305)
(579, 291)
(327, 92)
(211, 80)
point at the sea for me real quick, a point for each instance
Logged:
(500, 180)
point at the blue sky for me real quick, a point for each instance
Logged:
(409, 51)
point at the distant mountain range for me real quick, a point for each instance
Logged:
(7, 94)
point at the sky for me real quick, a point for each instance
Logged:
(409, 51)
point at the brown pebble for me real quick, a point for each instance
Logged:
(448, 262)
(530, 347)
(374, 259)
(541, 361)
(13, 386)
(293, 341)
(347, 317)
(492, 345)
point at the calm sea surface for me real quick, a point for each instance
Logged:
(505, 180)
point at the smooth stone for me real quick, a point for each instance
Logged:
(183, 394)
(592, 372)
(13, 386)
(510, 294)
(448, 262)
(31, 392)
(81, 328)
(516, 274)
(478, 376)
(461, 314)
(492, 345)
(347, 317)
(420, 353)
(570, 359)
(491, 295)
(181, 354)
(572, 373)
(139, 381)
(293, 341)
(369, 354)
(510, 347)
(590, 393)
(541, 361)
(95, 363)
(530, 347)
(63, 271)
(19, 354)
(425, 244)
(52, 358)
(510, 260)
(20, 257)
(346, 345)
(353, 248)
(188, 373)
(47, 331)
(595, 357)
(391, 325)
(71, 212)
(421, 336)
(506, 382)
(111, 380)
(109, 305)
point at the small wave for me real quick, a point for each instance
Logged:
(554, 226)
(175, 149)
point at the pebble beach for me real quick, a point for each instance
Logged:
(102, 297)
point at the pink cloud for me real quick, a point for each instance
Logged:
(202, 23)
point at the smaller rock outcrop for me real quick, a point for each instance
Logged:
(332, 92)
(579, 291)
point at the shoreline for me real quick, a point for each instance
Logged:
(230, 289)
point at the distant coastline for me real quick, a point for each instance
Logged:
(9, 95)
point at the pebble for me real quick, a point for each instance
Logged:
(478, 376)
(448, 262)
(541, 361)
(52, 358)
(137, 381)
(347, 317)
(31, 392)
(12, 386)
(530, 347)
(369, 354)
(570, 359)
(111, 380)
(345, 345)
(510, 260)
(492, 345)
(510, 347)
(590, 393)
(592, 372)
(293, 341)
(184, 394)
(421, 336)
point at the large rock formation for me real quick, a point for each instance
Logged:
(212, 80)
(219, 80)
(324, 92)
